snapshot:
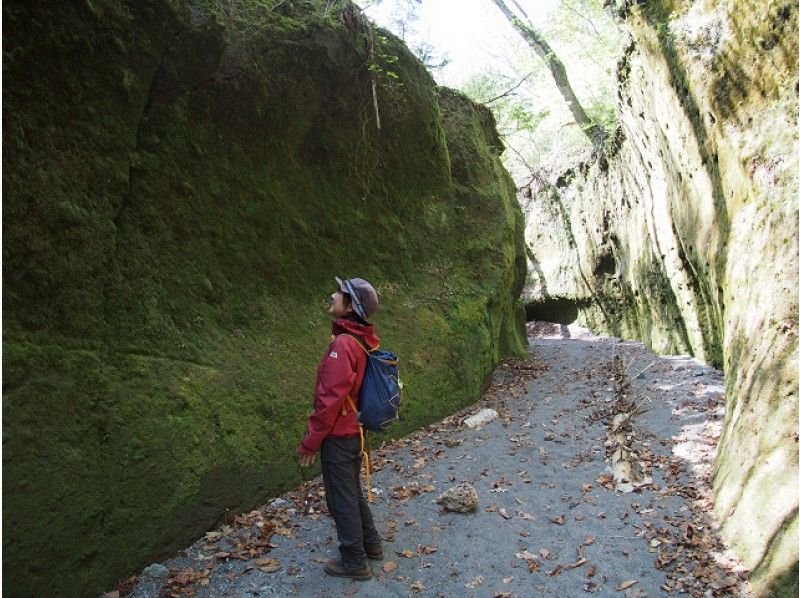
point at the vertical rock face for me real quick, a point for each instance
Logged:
(182, 182)
(685, 235)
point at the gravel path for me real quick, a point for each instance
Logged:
(550, 519)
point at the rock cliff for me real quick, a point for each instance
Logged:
(182, 181)
(685, 235)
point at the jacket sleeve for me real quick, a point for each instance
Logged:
(337, 376)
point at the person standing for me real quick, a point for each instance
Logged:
(333, 431)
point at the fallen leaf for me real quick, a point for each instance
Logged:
(555, 571)
(533, 566)
(588, 541)
(213, 536)
(558, 520)
(426, 549)
(418, 586)
(508, 579)
(474, 583)
(525, 555)
(626, 584)
(545, 554)
(591, 571)
(389, 566)
(268, 565)
(350, 591)
(504, 514)
(407, 553)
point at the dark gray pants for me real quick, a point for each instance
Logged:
(355, 528)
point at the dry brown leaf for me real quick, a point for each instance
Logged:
(389, 566)
(591, 571)
(626, 584)
(545, 554)
(533, 566)
(350, 591)
(426, 549)
(268, 565)
(560, 520)
(588, 541)
(408, 554)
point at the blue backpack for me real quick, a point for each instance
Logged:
(381, 389)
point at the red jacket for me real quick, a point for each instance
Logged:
(339, 374)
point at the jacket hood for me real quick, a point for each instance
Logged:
(364, 333)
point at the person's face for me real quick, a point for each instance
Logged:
(338, 309)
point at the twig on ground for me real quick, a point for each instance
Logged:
(632, 378)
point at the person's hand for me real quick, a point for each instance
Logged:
(307, 460)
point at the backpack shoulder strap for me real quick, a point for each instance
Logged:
(360, 342)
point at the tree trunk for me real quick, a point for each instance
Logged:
(535, 40)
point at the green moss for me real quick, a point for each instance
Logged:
(181, 186)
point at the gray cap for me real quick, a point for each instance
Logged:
(362, 293)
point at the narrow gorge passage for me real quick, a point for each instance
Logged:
(551, 518)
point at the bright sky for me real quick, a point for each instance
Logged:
(472, 33)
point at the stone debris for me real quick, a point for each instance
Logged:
(483, 417)
(155, 571)
(460, 499)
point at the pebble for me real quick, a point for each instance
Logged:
(156, 571)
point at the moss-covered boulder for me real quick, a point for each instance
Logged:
(685, 235)
(182, 181)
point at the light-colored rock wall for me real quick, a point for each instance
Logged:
(686, 235)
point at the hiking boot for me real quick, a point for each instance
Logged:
(338, 569)
(374, 552)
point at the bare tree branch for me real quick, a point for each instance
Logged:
(508, 92)
(581, 15)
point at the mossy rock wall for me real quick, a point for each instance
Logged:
(181, 183)
(685, 235)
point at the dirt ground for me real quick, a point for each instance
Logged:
(593, 479)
